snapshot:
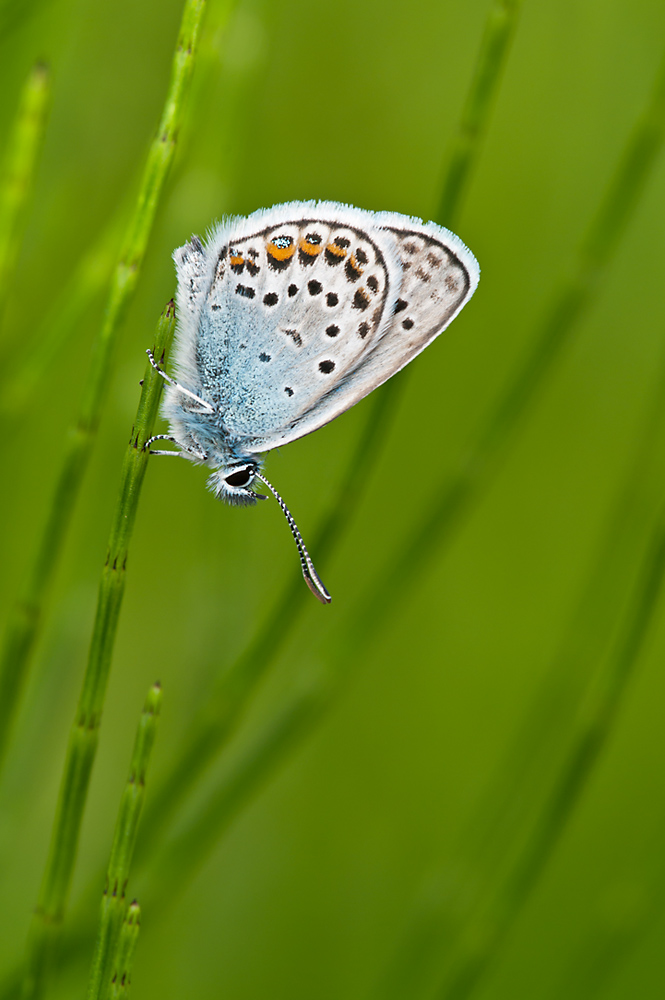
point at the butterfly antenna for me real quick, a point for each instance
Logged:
(312, 578)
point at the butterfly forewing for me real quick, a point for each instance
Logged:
(291, 310)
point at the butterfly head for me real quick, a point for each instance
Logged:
(233, 484)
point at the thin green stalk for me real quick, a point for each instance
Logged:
(124, 958)
(25, 618)
(82, 746)
(485, 934)
(467, 142)
(124, 838)
(220, 715)
(20, 162)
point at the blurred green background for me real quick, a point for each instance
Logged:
(352, 869)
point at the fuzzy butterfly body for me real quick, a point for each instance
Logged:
(288, 317)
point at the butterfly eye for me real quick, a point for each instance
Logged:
(241, 478)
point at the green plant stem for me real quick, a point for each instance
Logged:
(25, 618)
(467, 142)
(124, 838)
(124, 958)
(484, 936)
(220, 715)
(82, 745)
(21, 155)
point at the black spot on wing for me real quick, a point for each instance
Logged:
(326, 367)
(360, 299)
(246, 291)
(271, 299)
(279, 265)
(352, 269)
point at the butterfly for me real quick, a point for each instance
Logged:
(288, 317)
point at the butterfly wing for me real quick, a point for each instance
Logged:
(438, 277)
(292, 315)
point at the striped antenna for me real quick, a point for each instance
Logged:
(312, 578)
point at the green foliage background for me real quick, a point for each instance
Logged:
(357, 851)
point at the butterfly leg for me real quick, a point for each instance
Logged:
(208, 407)
(191, 456)
(160, 437)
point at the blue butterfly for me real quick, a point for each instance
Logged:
(287, 318)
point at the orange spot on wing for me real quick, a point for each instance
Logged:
(311, 249)
(335, 250)
(236, 260)
(280, 253)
